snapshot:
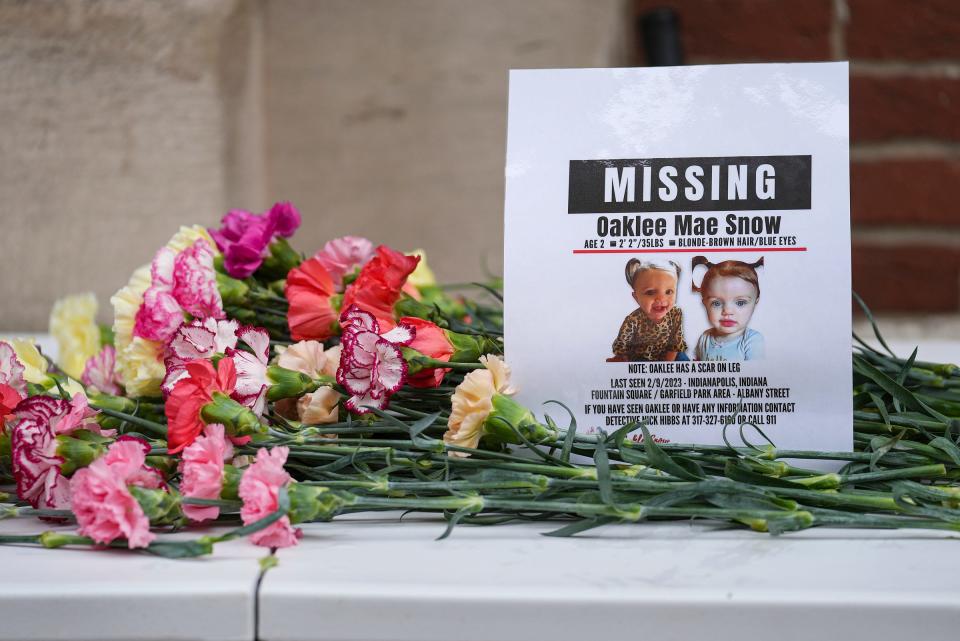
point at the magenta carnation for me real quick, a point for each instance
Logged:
(244, 237)
(259, 489)
(372, 367)
(101, 501)
(341, 255)
(202, 470)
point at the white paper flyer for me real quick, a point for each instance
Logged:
(677, 250)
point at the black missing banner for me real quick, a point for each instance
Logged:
(732, 183)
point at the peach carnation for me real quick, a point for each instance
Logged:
(472, 402)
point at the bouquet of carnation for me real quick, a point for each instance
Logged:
(242, 382)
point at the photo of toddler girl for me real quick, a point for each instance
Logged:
(729, 291)
(653, 331)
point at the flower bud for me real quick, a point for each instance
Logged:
(314, 503)
(115, 403)
(51, 539)
(287, 383)
(5, 454)
(507, 412)
(237, 418)
(280, 261)
(166, 465)
(232, 291)
(160, 506)
(229, 490)
(77, 453)
(409, 306)
(416, 361)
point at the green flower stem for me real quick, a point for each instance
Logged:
(931, 425)
(157, 429)
(840, 499)
(230, 505)
(833, 518)
(921, 471)
(12, 539)
(536, 483)
(433, 363)
(15, 511)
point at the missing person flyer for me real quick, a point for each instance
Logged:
(677, 250)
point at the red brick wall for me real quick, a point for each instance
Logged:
(904, 123)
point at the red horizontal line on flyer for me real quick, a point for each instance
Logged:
(700, 250)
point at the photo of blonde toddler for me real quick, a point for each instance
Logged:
(653, 331)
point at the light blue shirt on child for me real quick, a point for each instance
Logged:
(747, 347)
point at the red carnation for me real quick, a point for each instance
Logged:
(377, 288)
(189, 396)
(308, 290)
(430, 340)
(9, 398)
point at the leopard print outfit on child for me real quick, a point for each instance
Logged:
(641, 339)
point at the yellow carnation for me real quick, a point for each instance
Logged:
(35, 366)
(187, 236)
(140, 368)
(73, 388)
(422, 276)
(472, 402)
(73, 325)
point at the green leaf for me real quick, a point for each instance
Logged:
(658, 458)
(881, 407)
(180, 549)
(580, 526)
(896, 390)
(603, 469)
(885, 446)
(947, 446)
(873, 323)
(453, 520)
(570, 435)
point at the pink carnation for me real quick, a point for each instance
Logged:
(179, 283)
(99, 371)
(372, 367)
(77, 415)
(101, 501)
(11, 370)
(195, 281)
(159, 315)
(259, 489)
(202, 470)
(341, 255)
